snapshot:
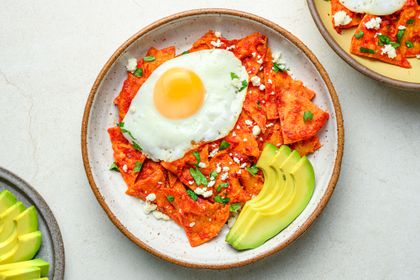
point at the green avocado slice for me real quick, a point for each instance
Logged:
(6, 219)
(25, 249)
(40, 263)
(275, 210)
(7, 199)
(27, 273)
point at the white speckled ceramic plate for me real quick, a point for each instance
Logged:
(166, 239)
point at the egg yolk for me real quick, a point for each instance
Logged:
(178, 93)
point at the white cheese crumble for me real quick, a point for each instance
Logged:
(256, 130)
(256, 81)
(243, 165)
(374, 23)
(248, 122)
(217, 34)
(234, 134)
(235, 159)
(202, 165)
(211, 183)
(254, 54)
(125, 167)
(245, 139)
(214, 152)
(262, 87)
(191, 182)
(236, 83)
(151, 197)
(231, 221)
(269, 125)
(224, 176)
(192, 224)
(270, 81)
(277, 58)
(341, 18)
(218, 168)
(216, 44)
(149, 207)
(225, 168)
(230, 48)
(401, 27)
(260, 61)
(389, 50)
(208, 193)
(160, 216)
(200, 191)
(418, 56)
(131, 64)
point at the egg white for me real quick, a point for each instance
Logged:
(167, 139)
(374, 7)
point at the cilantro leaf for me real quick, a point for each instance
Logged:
(222, 185)
(409, 44)
(359, 34)
(197, 157)
(233, 76)
(224, 145)
(244, 85)
(400, 34)
(192, 194)
(219, 199)
(366, 50)
(234, 208)
(253, 169)
(138, 167)
(149, 58)
(199, 178)
(308, 116)
(410, 21)
(171, 198)
(114, 167)
(185, 52)
(138, 72)
(213, 175)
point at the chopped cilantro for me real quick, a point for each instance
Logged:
(359, 34)
(138, 72)
(233, 76)
(222, 185)
(149, 58)
(197, 157)
(219, 199)
(192, 194)
(409, 44)
(308, 116)
(244, 85)
(395, 45)
(383, 40)
(280, 67)
(136, 146)
(121, 124)
(171, 198)
(199, 178)
(224, 145)
(253, 169)
(114, 167)
(185, 52)
(138, 167)
(410, 21)
(366, 50)
(400, 34)
(213, 175)
(234, 208)
(259, 104)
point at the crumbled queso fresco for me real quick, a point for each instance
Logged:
(341, 18)
(389, 50)
(374, 23)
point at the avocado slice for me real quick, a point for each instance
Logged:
(40, 263)
(7, 199)
(25, 249)
(25, 222)
(27, 273)
(6, 219)
(257, 224)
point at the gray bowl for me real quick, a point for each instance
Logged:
(52, 249)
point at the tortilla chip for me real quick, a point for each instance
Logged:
(336, 6)
(306, 147)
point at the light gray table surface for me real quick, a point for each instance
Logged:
(50, 54)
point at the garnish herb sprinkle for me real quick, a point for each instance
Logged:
(400, 34)
(359, 34)
(244, 85)
(410, 21)
(308, 116)
(383, 40)
(409, 44)
(213, 175)
(149, 58)
(395, 45)
(138, 167)
(253, 169)
(185, 52)
(171, 198)
(279, 67)
(233, 76)
(199, 177)
(197, 157)
(138, 72)
(136, 146)
(224, 145)
(192, 194)
(114, 167)
(222, 185)
(366, 50)
(234, 208)
(219, 199)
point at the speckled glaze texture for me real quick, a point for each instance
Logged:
(166, 239)
(52, 249)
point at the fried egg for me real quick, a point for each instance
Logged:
(374, 7)
(193, 98)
